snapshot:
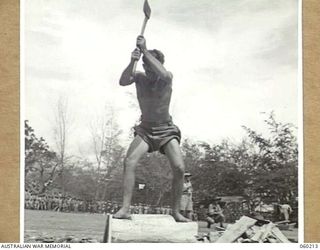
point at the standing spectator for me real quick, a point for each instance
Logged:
(146, 209)
(285, 210)
(76, 205)
(157, 210)
(49, 202)
(186, 205)
(64, 205)
(42, 201)
(36, 203)
(162, 210)
(167, 210)
(140, 209)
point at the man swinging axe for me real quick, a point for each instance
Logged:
(156, 131)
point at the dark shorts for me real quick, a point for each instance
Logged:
(157, 135)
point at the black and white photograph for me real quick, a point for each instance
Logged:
(173, 121)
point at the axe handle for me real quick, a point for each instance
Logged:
(141, 34)
(134, 67)
(144, 25)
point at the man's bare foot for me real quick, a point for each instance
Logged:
(122, 214)
(180, 218)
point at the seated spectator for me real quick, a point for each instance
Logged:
(215, 213)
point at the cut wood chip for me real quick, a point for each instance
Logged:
(249, 230)
(236, 230)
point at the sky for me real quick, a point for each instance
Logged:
(231, 61)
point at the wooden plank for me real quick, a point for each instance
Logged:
(267, 231)
(153, 228)
(252, 231)
(279, 235)
(257, 236)
(271, 240)
(236, 230)
(214, 236)
(263, 232)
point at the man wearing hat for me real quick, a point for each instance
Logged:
(186, 206)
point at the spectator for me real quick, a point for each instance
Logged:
(186, 205)
(215, 213)
(285, 211)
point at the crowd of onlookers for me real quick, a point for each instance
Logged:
(61, 203)
(229, 212)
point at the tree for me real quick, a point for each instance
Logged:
(79, 180)
(61, 130)
(108, 151)
(99, 130)
(258, 166)
(273, 168)
(40, 162)
(154, 171)
(192, 155)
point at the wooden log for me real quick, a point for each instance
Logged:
(279, 235)
(236, 230)
(153, 228)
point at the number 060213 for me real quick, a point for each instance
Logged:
(309, 245)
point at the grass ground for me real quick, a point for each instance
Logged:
(57, 225)
(39, 224)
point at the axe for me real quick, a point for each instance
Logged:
(147, 14)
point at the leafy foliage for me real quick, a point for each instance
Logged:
(273, 166)
(154, 171)
(40, 162)
(259, 166)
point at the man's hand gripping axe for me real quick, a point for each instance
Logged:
(147, 14)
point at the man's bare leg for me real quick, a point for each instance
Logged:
(189, 215)
(173, 152)
(137, 149)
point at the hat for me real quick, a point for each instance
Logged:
(187, 174)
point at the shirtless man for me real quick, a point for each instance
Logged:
(156, 132)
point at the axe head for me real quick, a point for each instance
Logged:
(146, 9)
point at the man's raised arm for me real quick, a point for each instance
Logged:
(157, 66)
(127, 76)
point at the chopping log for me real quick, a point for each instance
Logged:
(151, 228)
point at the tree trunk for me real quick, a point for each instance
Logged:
(159, 198)
(105, 192)
(42, 187)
